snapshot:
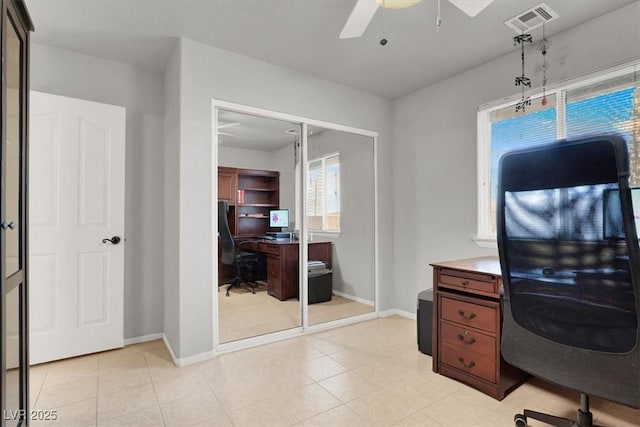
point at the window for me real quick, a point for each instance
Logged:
(323, 193)
(607, 103)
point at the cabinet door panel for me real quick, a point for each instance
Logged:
(226, 187)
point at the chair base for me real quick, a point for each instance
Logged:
(236, 282)
(584, 417)
(242, 269)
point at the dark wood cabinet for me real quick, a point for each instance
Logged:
(227, 185)
(251, 194)
(467, 325)
(282, 262)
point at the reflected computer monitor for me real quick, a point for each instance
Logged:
(279, 218)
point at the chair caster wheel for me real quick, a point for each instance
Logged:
(519, 420)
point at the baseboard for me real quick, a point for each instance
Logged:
(171, 353)
(184, 361)
(354, 298)
(398, 312)
(196, 358)
(143, 338)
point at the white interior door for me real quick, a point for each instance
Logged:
(76, 197)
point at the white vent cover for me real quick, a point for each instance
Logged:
(532, 18)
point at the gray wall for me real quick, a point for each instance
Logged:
(244, 158)
(282, 160)
(172, 200)
(353, 249)
(74, 75)
(207, 72)
(435, 140)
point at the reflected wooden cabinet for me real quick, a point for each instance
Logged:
(227, 185)
(251, 194)
(14, 392)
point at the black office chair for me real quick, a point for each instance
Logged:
(571, 270)
(244, 262)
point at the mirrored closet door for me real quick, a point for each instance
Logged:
(258, 251)
(340, 203)
(296, 205)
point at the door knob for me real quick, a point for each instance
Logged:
(6, 225)
(114, 240)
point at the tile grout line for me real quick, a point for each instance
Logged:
(155, 392)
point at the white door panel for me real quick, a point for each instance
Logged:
(77, 155)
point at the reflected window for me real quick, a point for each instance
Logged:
(323, 193)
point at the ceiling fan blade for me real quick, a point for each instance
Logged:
(471, 7)
(359, 19)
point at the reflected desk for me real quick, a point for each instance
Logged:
(282, 263)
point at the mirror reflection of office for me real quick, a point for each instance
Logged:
(260, 173)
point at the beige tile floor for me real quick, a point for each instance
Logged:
(367, 374)
(244, 315)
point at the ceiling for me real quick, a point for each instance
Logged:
(302, 35)
(252, 132)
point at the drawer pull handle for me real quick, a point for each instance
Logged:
(465, 283)
(466, 365)
(464, 316)
(469, 342)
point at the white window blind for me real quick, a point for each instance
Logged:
(323, 193)
(609, 103)
(512, 131)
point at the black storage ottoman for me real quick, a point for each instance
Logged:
(320, 286)
(425, 321)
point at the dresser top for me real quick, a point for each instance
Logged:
(486, 264)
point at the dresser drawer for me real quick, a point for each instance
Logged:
(469, 314)
(457, 336)
(468, 281)
(269, 248)
(248, 246)
(469, 361)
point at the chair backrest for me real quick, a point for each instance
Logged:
(228, 246)
(570, 286)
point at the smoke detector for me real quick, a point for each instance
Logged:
(533, 18)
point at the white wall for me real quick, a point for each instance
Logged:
(434, 138)
(74, 75)
(207, 72)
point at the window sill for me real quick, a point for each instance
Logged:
(314, 235)
(485, 242)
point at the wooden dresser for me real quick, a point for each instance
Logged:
(467, 323)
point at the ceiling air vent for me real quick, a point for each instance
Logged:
(532, 18)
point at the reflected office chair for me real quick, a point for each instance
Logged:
(571, 271)
(244, 262)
